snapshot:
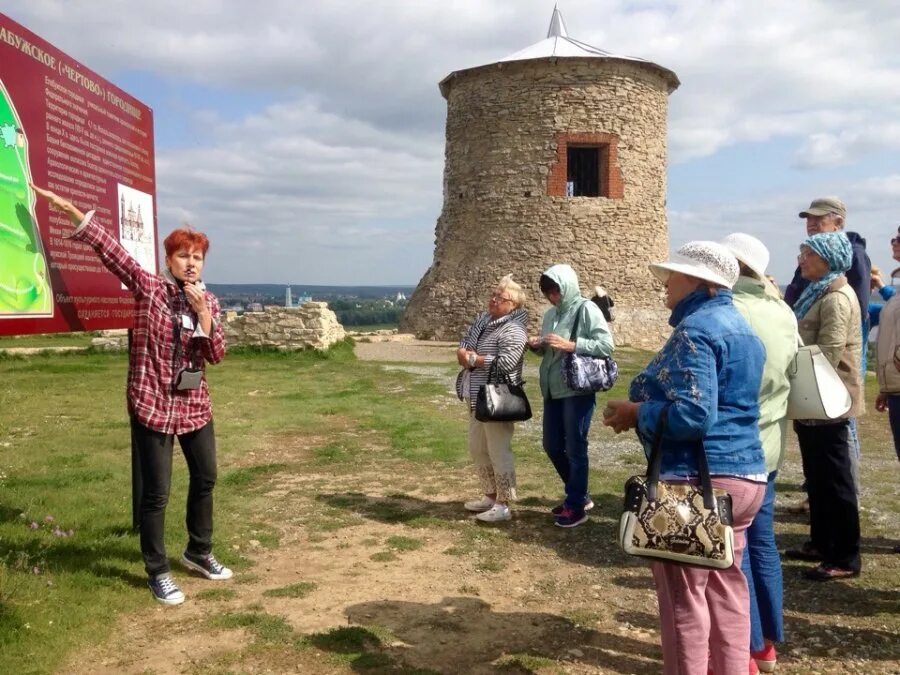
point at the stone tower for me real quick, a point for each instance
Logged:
(554, 154)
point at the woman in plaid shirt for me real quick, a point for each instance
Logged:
(176, 331)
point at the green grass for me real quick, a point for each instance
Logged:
(246, 476)
(48, 340)
(216, 594)
(299, 590)
(401, 543)
(266, 628)
(384, 556)
(360, 649)
(64, 453)
(528, 663)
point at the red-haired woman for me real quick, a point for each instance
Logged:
(176, 331)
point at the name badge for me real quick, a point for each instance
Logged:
(187, 322)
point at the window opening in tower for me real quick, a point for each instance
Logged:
(583, 170)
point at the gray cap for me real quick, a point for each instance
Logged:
(825, 205)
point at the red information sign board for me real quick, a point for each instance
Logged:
(64, 127)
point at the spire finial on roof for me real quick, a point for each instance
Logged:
(557, 24)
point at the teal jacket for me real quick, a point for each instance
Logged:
(776, 326)
(593, 336)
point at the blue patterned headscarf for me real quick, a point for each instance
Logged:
(835, 249)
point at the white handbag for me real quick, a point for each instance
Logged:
(817, 392)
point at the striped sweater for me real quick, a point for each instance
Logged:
(501, 340)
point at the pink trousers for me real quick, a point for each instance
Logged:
(705, 613)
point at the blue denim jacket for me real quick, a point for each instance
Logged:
(709, 370)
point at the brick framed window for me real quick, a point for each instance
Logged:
(586, 166)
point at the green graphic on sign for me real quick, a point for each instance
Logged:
(24, 288)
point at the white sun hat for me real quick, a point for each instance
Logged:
(748, 250)
(706, 260)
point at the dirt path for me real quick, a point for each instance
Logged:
(408, 578)
(404, 348)
(377, 569)
(444, 607)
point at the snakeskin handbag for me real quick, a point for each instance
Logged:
(676, 521)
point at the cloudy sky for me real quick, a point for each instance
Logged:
(307, 137)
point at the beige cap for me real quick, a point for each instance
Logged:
(825, 205)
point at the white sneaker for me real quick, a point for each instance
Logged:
(206, 565)
(479, 505)
(495, 514)
(165, 590)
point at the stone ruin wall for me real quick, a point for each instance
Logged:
(504, 126)
(310, 326)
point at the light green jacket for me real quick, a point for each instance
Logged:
(593, 336)
(776, 326)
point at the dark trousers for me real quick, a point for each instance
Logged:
(155, 452)
(566, 425)
(894, 416)
(833, 508)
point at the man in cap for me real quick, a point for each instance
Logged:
(827, 214)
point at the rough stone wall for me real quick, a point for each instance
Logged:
(311, 325)
(504, 126)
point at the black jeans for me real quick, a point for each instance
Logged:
(894, 416)
(155, 451)
(833, 507)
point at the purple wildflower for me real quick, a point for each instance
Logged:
(33, 525)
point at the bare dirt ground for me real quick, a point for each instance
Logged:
(397, 571)
(406, 350)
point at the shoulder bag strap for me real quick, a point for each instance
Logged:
(705, 479)
(176, 336)
(655, 464)
(574, 335)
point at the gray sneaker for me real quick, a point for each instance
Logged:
(165, 590)
(206, 565)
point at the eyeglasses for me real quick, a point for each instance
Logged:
(895, 240)
(499, 298)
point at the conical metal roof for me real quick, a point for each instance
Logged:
(558, 44)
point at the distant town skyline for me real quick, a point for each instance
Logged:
(307, 139)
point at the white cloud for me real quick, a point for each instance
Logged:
(773, 218)
(840, 148)
(354, 142)
(750, 71)
(296, 193)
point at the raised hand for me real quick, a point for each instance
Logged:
(59, 204)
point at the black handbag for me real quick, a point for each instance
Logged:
(678, 522)
(584, 373)
(501, 401)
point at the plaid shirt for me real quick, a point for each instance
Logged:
(152, 397)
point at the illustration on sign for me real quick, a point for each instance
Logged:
(136, 232)
(24, 287)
